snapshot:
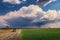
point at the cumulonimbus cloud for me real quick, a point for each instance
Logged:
(29, 16)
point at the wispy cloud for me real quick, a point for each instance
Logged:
(14, 1)
(44, 2)
(49, 2)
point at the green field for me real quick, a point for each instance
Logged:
(40, 34)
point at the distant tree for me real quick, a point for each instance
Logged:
(7, 27)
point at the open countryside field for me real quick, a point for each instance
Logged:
(40, 34)
(30, 34)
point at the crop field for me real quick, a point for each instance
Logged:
(40, 34)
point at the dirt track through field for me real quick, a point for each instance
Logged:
(10, 35)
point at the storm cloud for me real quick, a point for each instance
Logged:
(32, 17)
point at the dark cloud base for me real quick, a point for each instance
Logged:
(27, 23)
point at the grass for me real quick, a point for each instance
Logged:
(40, 34)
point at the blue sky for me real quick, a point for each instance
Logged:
(53, 6)
(7, 7)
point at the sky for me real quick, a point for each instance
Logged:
(30, 13)
(7, 6)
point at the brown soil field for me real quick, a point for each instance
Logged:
(7, 34)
